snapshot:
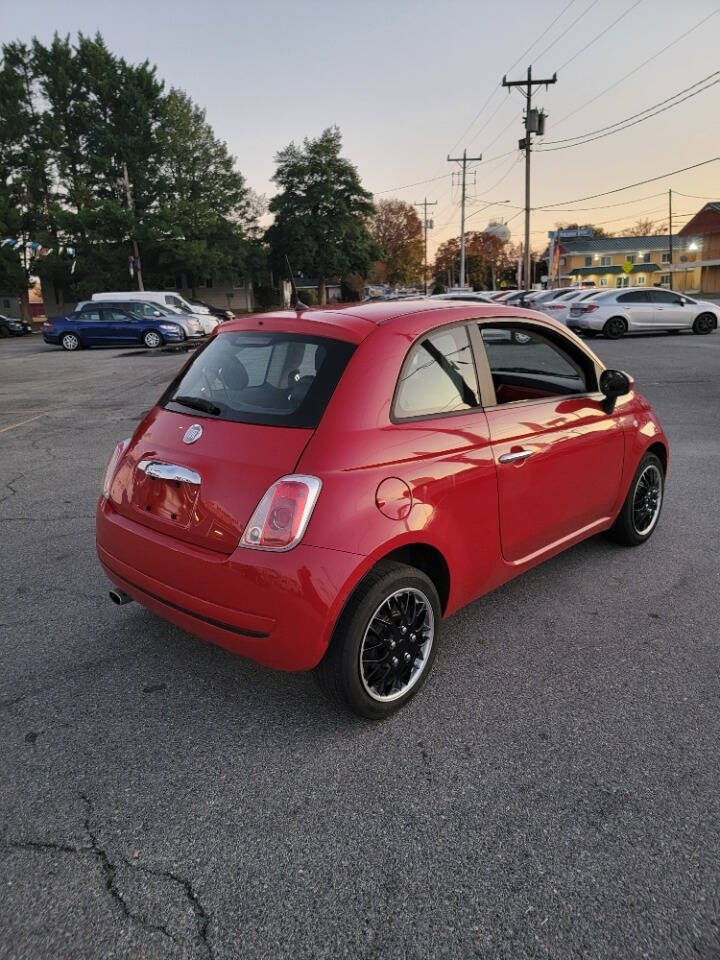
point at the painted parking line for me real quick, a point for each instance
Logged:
(21, 423)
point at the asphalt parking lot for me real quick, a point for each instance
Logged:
(554, 792)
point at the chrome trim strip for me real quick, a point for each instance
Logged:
(169, 471)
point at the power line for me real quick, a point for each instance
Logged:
(629, 186)
(539, 56)
(639, 67)
(597, 37)
(692, 196)
(634, 115)
(634, 123)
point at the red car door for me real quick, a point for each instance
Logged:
(558, 454)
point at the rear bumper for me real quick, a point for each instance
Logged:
(276, 608)
(51, 337)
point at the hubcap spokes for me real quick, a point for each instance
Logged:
(647, 499)
(397, 644)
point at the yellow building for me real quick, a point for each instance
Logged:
(646, 261)
(617, 261)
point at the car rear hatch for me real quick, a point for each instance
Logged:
(234, 421)
(202, 492)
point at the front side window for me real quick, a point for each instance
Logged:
(274, 379)
(526, 365)
(666, 297)
(438, 376)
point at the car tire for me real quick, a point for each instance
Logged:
(638, 518)
(346, 673)
(152, 339)
(705, 323)
(70, 341)
(614, 328)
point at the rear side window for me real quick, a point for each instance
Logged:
(438, 376)
(635, 296)
(274, 379)
(89, 316)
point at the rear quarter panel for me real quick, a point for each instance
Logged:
(447, 463)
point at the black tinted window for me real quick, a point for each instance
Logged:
(664, 296)
(635, 296)
(438, 376)
(278, 379)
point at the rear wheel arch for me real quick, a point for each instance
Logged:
(660, 451)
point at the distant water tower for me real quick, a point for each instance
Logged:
(499, 230)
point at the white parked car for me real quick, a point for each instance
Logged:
(560, 309)
(634, 309)
(168, 299)
(537, 298)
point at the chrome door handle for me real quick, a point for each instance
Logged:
(516, 456)
(169, 471)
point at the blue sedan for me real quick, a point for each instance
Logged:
(110, 326)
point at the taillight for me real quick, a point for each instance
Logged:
(590, 307)
(556, 306)
(47, 325)
(281, 517)
(113, 465)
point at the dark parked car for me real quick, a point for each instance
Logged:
(10, 327)
(105, 325)
(215, 311)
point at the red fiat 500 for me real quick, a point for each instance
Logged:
(319, 489)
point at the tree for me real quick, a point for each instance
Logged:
(486, 261)
(73, 116)
(645, 228)
(398, 231)
(205, 211)
(321, 213)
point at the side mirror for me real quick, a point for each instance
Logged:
(614, 384)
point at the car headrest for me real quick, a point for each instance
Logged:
(234, 374)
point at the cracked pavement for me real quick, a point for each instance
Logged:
(553, 793)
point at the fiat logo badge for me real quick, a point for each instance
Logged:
(193, 433)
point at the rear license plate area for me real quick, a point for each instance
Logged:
(172, 500)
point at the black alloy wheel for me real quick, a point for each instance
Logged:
(704, 324)
(614, 328)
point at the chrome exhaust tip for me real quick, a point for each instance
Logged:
(119, 597)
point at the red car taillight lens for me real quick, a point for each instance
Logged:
(47, 325)
(280, 519)
(113, 465)
(590, 307)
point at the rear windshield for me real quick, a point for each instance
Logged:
(276, 379)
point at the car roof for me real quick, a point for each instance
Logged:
(355, 322)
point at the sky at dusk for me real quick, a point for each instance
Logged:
(408, 82)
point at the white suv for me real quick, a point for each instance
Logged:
(634, 309)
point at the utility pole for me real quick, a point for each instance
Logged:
(427, 225)
(670, 244)
(129, 198)
(463, 160)
(534, 123)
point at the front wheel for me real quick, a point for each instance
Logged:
(705, 323)
(384, 643)
(70, 341)
(641, 511)
(614, 328)
(152, 339)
